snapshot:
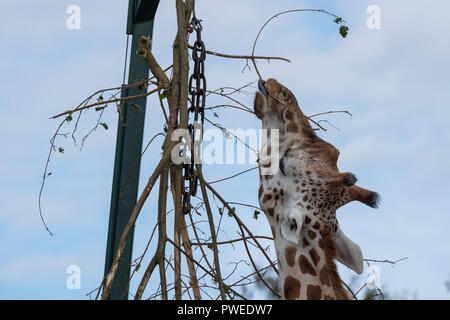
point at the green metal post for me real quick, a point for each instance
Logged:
(130, 132)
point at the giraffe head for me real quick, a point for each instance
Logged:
(301, 199)
(272, 98)
(278, 108)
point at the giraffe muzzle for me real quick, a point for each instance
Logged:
(262, 88)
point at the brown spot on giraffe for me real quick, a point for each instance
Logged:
(305, 242)
(291, 288)
(306, 266)
(292, 127)
(316, 225)
(290, 253)
(307, 220)
(266, 198)
(314, 256)
(313, 292)
(320, 242)
(311, 234)
(289, 115)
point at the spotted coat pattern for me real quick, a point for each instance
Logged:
(302, 197)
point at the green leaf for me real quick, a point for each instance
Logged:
(220, 211)
(100, 98)
(69, 118)
(61, 149)
(104, 125)
(338, 20)
(124, 124)
(197, 212)
(49, 174)
(231, 212)
(210, 246)
(216, 115)
(121, 196)
(343, 30)
(100, 108)
(136, 106)
(256, 214)
(165, 94)
(137, 267)
(226, 289)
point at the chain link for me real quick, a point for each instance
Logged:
(197, 90)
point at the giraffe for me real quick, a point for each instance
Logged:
(301, 197)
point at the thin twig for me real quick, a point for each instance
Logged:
(231, 56)
(104, 102)
(213, 233)
(233, 176)
(275, 16)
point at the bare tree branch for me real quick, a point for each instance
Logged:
(134, 215)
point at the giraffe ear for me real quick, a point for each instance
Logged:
(292, 225)
(348, 252)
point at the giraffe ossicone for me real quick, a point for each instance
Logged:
(301, 197)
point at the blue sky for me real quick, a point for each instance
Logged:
(394, 81)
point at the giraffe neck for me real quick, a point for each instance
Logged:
(307, 270)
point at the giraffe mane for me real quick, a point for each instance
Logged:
(330, 256)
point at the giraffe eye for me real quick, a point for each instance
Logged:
(284, 94)
(293, 225)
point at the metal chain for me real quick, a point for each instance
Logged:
(197, 90)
